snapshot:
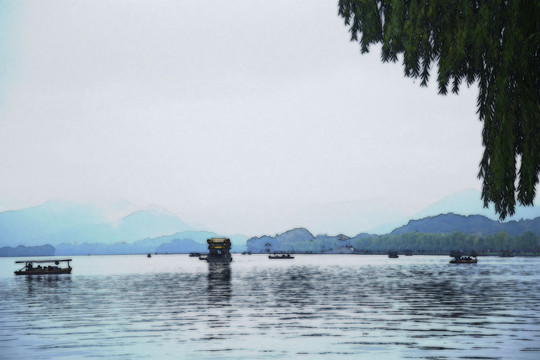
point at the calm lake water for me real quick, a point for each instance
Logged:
(312, 307)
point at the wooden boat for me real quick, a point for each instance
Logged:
(282, 256)
(507, 253)
(219, 251)
(30, 269)
(464, 260)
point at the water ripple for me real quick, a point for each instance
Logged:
(321, 307)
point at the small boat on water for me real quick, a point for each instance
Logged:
(219, 251)
(507, 253)
(194, 254)
(393, 254)
(53, 268)
(282, 256)
(149, 255)
(464, 260)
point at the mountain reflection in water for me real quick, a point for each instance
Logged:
(321, 307)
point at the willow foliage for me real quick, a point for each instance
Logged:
(494, 43)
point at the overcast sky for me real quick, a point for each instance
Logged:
(233, 114)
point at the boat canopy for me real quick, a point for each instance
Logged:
(219, 243)
(41, 261)
(218, 240)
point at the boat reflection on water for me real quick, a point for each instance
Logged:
(49, 289)
(219, 284)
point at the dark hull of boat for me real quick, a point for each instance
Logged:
(43, 272)
(463, 262)
(280, 257)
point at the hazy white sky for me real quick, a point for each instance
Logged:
(233, 114)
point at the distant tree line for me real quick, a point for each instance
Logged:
(420, 243)
(445, 243)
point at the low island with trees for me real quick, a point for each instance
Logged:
(425, 236)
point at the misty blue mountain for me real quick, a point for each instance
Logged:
(182, 246)
(57, 222)
(465, 202)
(44, 250)
(469, 202)
(79, 229)
(179, 243)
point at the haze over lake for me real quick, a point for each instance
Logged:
(315, 306)
(248, 117)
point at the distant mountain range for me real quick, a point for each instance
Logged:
(472, 224)
(57, 222)
(301, 240)
(44, 250)
(465, 202)
(79, 229)
(469, 202)
(381, 215)
(73, 228)
(179, 243)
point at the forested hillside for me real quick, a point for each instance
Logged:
(472, 224)
(434, 235)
